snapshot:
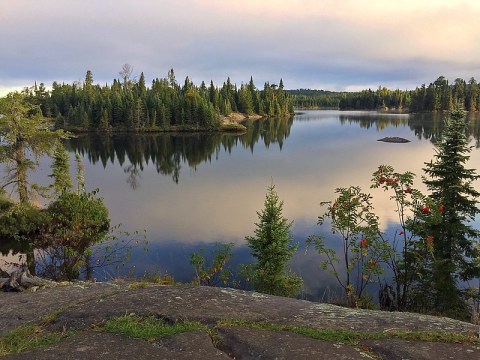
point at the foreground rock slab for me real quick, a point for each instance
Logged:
(209, 305)
(97, 345)
(31, 307)
(262, 344)
(418, 350)
(82, 308)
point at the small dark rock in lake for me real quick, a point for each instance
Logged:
(394, 139)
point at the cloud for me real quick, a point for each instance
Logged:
(335, 44)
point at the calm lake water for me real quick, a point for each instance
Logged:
(191, 191)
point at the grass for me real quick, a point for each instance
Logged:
(149, 328)
(139, 285)
(351, 336)
(28, 337)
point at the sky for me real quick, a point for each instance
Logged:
(319, 44)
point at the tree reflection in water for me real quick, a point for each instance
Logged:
(168, 151)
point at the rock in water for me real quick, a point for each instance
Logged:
(394, 139)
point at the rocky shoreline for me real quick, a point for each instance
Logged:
(241, 325)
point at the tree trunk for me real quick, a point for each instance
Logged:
(21, 171)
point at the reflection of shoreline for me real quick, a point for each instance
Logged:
(428, 126)
(168, 152)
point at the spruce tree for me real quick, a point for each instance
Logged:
(272, 247)
(454, 240)
(26, 137)
(61, 171)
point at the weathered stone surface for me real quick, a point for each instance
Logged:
(30, 307)
(336, 317)
(79, 306)
(242, 343)
(393, 349)
(209, 305)
(90, 345)
(192, 345)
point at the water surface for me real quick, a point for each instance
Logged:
(190, 191)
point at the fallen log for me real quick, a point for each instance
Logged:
(21, 280)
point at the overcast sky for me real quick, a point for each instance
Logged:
(322, 44)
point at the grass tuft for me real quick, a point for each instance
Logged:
(149, 328)
(139, 285)
(28, 337)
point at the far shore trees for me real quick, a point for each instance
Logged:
(130, 105)
(440, 95)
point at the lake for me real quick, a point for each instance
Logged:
(190, 191)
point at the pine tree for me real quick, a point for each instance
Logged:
(61, 170)
(80, 174)
(245, 104)
(272, 247)
(88, 79)
(142, 89)
(454, 241)
(27, 137)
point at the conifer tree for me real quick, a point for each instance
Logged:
(26, 136)
(455, 250)
(61, 170)
(80, 174)
(272, 247)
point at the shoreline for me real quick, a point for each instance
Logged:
(228, 124)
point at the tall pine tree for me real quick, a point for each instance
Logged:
(61, 170)
(455, 250)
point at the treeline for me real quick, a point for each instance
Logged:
(315, 99)
(439, 95)
(129, 104)
(381, 99)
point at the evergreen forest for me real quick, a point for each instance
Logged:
(130, 105)
(440, 95)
